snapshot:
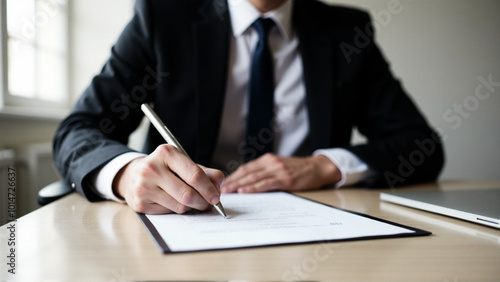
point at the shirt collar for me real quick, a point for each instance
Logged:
(243, 14)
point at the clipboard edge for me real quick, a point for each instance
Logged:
(164, 248)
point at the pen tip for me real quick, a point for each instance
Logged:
(220, 209)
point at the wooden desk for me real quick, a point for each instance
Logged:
(72, 239)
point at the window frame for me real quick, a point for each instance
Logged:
(15, 105)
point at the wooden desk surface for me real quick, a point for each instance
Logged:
(72, 239)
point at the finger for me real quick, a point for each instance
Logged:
(215, 175)
(155, 208)
(245, 174)
(191, 174)
(149, 199)
(178, 196)
(233, 181)
(153, 189)
(248, 180)
(147, 206)
(164, 203)
(263, 185)
(277, 177)
(250, 173)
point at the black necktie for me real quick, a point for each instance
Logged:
(259, 134)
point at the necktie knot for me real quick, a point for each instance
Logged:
(263, 26)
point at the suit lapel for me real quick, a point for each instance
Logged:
(317, 51)
(211, 39)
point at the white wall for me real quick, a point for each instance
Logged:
(439, 49)
(95, 26)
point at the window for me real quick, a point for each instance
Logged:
(35, 52)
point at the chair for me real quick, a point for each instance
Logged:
(53, 191)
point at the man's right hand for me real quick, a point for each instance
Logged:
(167, 181)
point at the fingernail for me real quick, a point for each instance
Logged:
(225, 189)
(215, 200)
(243, 190)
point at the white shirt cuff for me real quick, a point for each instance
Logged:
(352, 168)
(103, 182)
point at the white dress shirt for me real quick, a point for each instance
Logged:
(291, 116)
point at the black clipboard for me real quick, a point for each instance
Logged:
(164, 248)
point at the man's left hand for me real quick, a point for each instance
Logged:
(271, 172)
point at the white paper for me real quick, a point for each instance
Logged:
(265, 219)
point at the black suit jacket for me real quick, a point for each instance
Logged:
(174, 54)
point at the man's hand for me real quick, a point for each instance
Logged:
(271, 172)
(167, 181)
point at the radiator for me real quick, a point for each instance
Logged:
(35, 170)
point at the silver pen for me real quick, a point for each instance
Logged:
(169, 137)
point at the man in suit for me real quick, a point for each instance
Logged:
(194, 61)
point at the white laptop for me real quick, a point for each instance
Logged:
(476, 205)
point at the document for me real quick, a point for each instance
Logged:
(265, 219)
